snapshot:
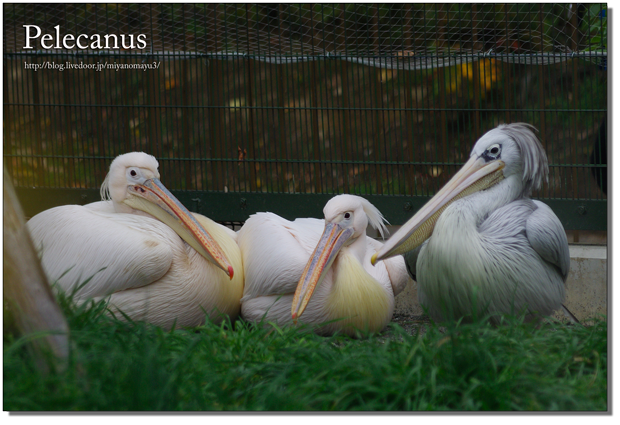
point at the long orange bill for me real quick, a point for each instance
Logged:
(331, 242)
(475, 175)
(163, 205)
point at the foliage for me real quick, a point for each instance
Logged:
(326, 126)
(597, 26)
(117, 365)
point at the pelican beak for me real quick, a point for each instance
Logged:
(475, 175)
(152, 197)
(333, 239)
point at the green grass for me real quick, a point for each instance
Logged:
(122, 366)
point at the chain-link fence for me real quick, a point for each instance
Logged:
(278, 107)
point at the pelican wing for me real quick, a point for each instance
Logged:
(391, 271)
(275, 252)
(548, 238)
(119, 251)
(307, 232)
(411, 260)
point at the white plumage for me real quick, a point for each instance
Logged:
(143, 265)
(351, 292)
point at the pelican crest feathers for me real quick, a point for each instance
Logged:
(535, 164)
(340, 203)
(104, 191)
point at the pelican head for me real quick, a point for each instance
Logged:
(508, 161)
(133, 185)
(346, 219)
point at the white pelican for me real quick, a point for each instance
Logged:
(291, 268)
(481, 241)
(155, 260)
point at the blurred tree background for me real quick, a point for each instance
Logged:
(371, 99)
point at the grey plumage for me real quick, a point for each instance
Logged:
(496, 251)
(533, 156)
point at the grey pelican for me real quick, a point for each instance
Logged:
(142, 249)
(318, 271)
(481, 245)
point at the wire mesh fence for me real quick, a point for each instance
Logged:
(278, 107)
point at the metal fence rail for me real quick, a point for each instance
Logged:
(253, 108)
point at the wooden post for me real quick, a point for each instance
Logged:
(29, 305)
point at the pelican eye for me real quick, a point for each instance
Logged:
(492, 152)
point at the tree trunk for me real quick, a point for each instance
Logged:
(29, 305)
